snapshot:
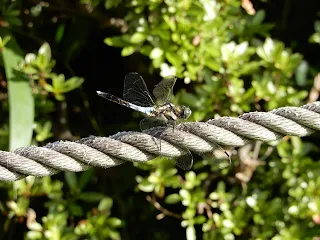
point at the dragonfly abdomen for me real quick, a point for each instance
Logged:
(112, 98)
(145, 110)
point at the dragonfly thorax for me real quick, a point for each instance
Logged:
(171, 112)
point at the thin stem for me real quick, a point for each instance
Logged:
(158, 206)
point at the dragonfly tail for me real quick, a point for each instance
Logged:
(122, 102)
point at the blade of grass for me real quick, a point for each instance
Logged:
(21, 103)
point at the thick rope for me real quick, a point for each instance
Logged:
(199, 137)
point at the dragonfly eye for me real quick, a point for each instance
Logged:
(186, 112)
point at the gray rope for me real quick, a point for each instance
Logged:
(199, 137)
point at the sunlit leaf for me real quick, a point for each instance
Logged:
(156, 53)
(45, 50)
(173, 198)
(72, 83)
(105, 204)
(115, 41)
(127, 51)
(138, 37)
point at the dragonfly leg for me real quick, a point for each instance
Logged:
(148, 123)
(172, 123)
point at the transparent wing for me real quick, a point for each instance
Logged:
(135, 90)
(148, 123)
(221, 158)
(185, 162)
(164, 89)
(218, 157)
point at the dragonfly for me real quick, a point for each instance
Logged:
(157, 107)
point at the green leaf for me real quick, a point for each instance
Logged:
(114, 222)
(13, 21)
(30, 58)
(267, 50)
(34, 235)
(48, 87)
(173, 198)
(21, 103)
(72, 83)
(317, 26)
(85, 178)
(213, 65)
(146, 186)
(43, 132)
(174, 58)
(127, 51)
(145, 50)
(114, 235)
(59, 97)
(200, 219)
(13, 13)
(58, 82)
(36, 10)
(35, 226)
(71, 179)
(90, 196)
(60, 33)
(170, 21)
(75, 209)
(4, 41)
(138, 37)
(258, 17)
(156, 53)
(115, 41)
(45, 50)
(249, 68)
(191, 233)
(105, 204)
(301, 73)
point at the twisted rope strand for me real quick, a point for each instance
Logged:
(198, 137)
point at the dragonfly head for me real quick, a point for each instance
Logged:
(186, 112)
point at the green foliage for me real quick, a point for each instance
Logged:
(97, 223)
(10, 11)
(43, 131)
(315, 38)
(206, 42)
(226, 213)
(4, 41)
(230, 64)
(209, 43)
(39, 67)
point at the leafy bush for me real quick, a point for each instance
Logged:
(230, 64)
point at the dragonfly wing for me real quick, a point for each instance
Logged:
(164, 89)
(135, 90)
(220, 158)
(185, 162)
(148, 123)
